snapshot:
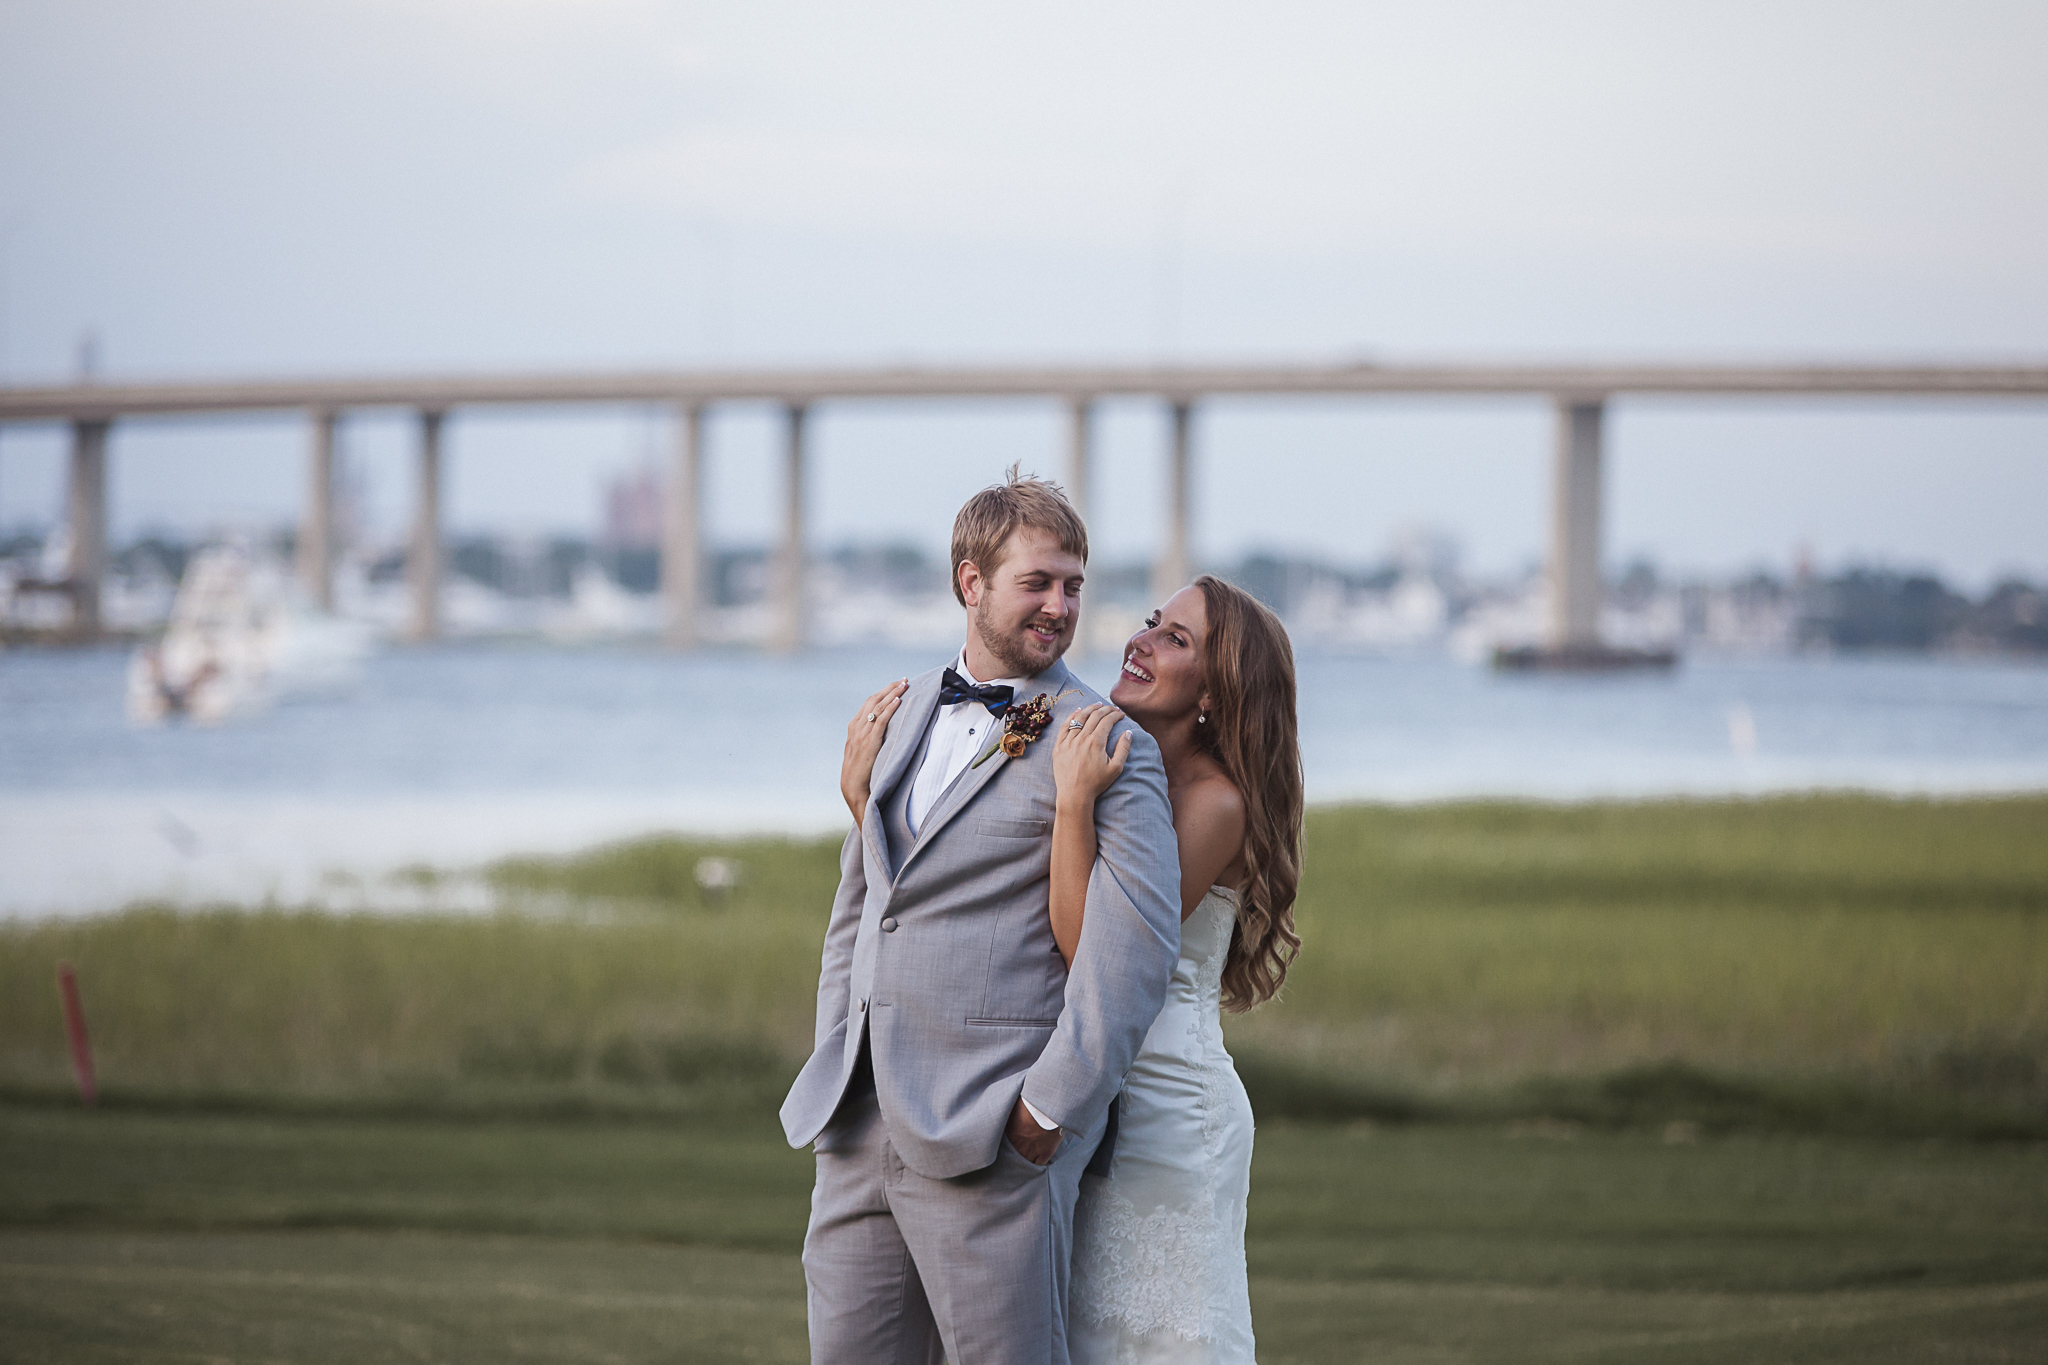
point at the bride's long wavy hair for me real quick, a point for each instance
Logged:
(1248, 668)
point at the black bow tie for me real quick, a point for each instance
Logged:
(995, 696)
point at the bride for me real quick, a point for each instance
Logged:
(1159, 1271)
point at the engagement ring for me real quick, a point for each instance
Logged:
(871, 717)
(1075, 723)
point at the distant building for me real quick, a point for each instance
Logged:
(633, 511)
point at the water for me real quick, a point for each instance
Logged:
(455, 755)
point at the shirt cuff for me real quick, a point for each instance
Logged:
(1043, 1121)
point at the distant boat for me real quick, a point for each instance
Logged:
(236, 642)
(1580, 659)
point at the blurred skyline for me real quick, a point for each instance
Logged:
(231, 188)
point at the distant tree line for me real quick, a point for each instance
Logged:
(1880, 609)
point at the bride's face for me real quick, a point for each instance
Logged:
(1162, 672)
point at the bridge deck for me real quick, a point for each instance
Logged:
(1593, 381)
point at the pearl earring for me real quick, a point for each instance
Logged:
(1202, 719)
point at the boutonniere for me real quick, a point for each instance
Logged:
(1022, 723)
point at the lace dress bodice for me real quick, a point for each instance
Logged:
(1204, 944)
(1159, 1272)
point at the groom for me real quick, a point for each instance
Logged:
(962, 1076)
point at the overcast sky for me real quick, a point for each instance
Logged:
(231, 187)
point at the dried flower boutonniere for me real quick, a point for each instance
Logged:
(1022, 723)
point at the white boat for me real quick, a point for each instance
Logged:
(238, 641)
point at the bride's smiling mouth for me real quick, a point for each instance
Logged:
(1132, 669)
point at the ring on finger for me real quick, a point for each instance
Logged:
(1075, 723)
(871, 717)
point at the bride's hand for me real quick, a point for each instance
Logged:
(1082, 766)
(864, 734)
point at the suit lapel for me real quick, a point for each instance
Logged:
(972, 779)
(906, 737)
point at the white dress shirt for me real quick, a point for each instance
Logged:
(959, 733)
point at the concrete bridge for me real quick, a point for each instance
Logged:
(1579, 392)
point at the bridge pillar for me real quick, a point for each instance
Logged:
(316, 533)
(1575, 527)
(1170, 571)
(423, 564)
(1079, 414)
(87, 507)
(787, 634)
(682, 554)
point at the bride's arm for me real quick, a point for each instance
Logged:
(1081, 769)
(1073, 858)
(864, 735)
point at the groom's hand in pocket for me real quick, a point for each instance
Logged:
(1035, 1144)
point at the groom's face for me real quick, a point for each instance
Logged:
(1025, 611)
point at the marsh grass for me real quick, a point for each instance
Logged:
(631, 1012)
(1824, 962)
(776, 877)
(1900, 946)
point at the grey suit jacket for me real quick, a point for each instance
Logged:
(946, 965)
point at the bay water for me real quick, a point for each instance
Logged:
(449, 756)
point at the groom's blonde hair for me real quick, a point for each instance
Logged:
(982, 530)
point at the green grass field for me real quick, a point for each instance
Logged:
(1682, 1081)
(143, 1237)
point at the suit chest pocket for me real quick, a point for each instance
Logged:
(1013, 829)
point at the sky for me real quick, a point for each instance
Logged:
(226, 188)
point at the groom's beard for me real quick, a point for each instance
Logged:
(1018, 659)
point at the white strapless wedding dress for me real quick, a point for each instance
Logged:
(1159, 1245)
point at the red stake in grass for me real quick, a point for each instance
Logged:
(74, 1026)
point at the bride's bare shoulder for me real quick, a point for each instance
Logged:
(1209, 797)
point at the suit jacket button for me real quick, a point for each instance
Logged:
(889, 925)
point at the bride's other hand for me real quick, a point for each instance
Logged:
(1082, 764)
(864, 734)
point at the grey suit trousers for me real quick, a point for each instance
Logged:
(904, 1269)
